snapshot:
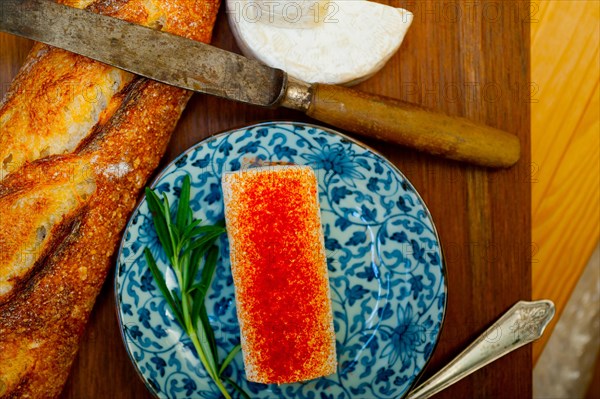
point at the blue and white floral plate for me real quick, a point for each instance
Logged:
(386, 269)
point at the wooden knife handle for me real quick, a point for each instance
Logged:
(412, 126)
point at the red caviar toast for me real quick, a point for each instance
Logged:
(279, 270)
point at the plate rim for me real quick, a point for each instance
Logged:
(229, 131)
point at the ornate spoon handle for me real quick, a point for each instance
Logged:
(523, 323)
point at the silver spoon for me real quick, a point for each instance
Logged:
(523, 323)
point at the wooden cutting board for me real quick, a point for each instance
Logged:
(468, 58)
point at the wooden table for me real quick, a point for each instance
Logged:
(565, 148)
(466, 58)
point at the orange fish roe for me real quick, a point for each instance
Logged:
(279, 270)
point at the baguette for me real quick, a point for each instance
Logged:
(78, 141)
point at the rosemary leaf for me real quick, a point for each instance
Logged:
(186, 273)
(205, 238)
(196, 231)
(166, 214)
(184, 204)
(174, 234)
(202, 288)
(195, 259)
(203, 330)
(177, 303)
(160, 282)
(210, 335)
(185, 233)
(160, 224)
(230, 356)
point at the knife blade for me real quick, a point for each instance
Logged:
(207, 69)
(163, 57)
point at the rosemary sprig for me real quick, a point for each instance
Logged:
(186, 244)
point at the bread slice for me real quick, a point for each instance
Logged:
(279, 270)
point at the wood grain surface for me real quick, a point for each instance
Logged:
(565, 149)
(467, 58)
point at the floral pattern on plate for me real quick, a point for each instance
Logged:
(387, 274)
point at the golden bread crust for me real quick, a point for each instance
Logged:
(58, 97)
(78, 196)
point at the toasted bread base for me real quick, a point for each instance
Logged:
(279, 270)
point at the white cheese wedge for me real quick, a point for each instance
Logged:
(336, 42)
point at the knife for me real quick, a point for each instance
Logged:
(196, 66)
